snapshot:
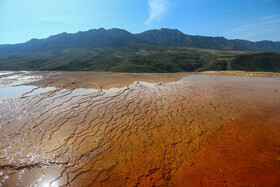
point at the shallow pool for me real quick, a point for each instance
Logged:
(15, 91)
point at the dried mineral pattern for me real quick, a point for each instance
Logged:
(201, 130)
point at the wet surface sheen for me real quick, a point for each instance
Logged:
(201, 130)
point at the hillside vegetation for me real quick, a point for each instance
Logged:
(117, 50)
(156, 59)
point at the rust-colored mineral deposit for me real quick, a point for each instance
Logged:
(116, 129)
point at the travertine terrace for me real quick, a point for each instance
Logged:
(207, 129)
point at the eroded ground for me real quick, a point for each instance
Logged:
(197, 130)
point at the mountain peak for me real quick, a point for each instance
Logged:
(113, 31)
(116, 37)
(119, 50)
(170, 30)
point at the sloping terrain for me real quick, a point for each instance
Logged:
(117, 50)
(119, 38)
(175, 38)
(141, 58)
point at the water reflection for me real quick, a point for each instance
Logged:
(9, 92)
(16, 91)
(18, 78)
(49, 184)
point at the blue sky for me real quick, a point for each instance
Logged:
(22, 20)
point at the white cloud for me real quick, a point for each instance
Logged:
(270, 17)
(156, 9)
(251, 29)
(257, 24)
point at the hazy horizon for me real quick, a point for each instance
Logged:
(253, 20)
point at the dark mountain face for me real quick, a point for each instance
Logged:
(163, 37)
(164, 50)
(89, 39)
(175, 38)
(257, 46)
(120, 38)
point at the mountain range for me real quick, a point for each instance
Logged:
(119, 38)
(164, 50)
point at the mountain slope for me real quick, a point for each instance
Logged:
(163, 50)
(88, 39)
(141, 58)
(119, 38)
(175, 38)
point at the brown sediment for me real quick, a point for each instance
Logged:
(106, 80)
(244, 152)
(241, 73)
(202, 130)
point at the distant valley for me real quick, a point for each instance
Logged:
(117, 50)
